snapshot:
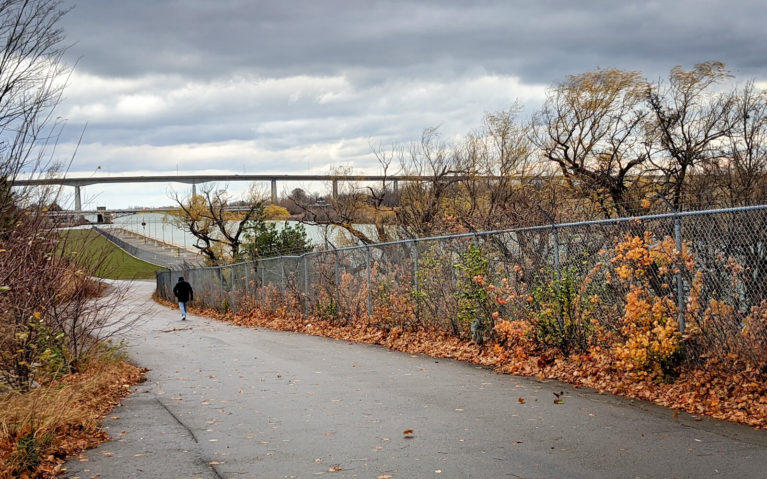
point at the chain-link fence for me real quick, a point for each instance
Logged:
(433, 281)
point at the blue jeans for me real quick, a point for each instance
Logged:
(182, 307)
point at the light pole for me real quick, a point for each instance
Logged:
(143, 225)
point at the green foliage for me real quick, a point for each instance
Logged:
(561, 313)
(327, 309)
(263, 239)
(27, 456)
(473, 312)
(53, 357)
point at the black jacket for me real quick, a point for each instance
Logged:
(183, 291)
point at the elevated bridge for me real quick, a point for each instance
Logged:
(194, 180)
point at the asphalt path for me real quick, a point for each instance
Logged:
(231, 402)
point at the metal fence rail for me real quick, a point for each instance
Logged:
(429, 276)
(132, 250)
(152, 252)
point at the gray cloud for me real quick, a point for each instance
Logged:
(538, 41)
(237, 84)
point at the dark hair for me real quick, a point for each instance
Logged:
(181, 278)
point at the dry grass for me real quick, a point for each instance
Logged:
(39, 429)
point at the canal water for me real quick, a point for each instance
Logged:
(161, 228)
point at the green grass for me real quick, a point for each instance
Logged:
(111, 262)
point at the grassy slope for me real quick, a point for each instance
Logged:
(115, 263)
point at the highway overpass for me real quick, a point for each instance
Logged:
(194, 180)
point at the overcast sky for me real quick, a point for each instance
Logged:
(286, 86)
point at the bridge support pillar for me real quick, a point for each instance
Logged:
(274, 190)
(335, 189)
(194, 190)
(396, 185)
(78, 201)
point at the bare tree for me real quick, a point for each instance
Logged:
(351, 209)
(691, 122)
(421, 210)
(35, 282)
(218, 229)
(744, 170)
(31, 82)
(501, 174)
(592, 127)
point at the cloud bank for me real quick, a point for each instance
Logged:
(305, 86)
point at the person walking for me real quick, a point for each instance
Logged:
(184, 294)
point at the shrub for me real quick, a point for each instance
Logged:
(649, 343)
(473, 312)
(561, 313)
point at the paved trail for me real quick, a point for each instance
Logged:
(228, 402)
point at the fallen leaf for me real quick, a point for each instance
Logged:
(521, 400)
(335, 468)
(407, 431)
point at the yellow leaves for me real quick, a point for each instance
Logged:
(624, 272)
(650, 333)
(601, 89)
(276, 212)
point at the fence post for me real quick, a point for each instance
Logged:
(556, 252)
(337, 285)
(368, 284)
(282, 276)
(415, 282)
(263, 285)
(556, 240)
(558, 275)
(557, 272)
(217, 276)
(232, 288)
(245, 291)
(306, 284)
(679, 280)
